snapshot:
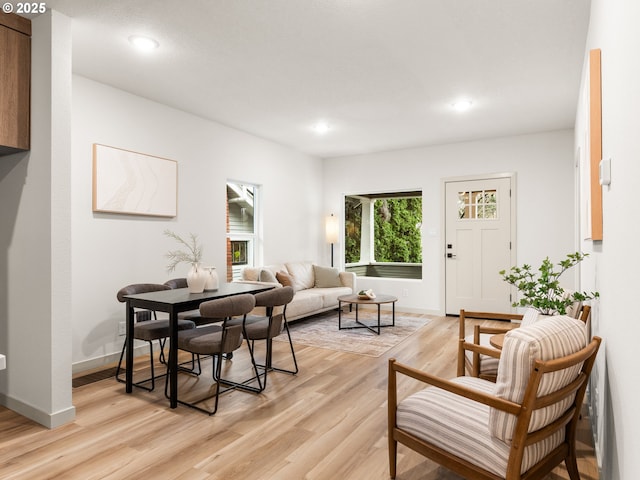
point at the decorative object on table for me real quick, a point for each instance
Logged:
(541, 289)
(133, 183)
(197, 277)
(366, 294)
(211, 282)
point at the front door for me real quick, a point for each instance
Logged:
(478, 243)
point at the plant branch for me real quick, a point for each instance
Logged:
(192, 255)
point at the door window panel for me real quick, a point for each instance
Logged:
(478, 204)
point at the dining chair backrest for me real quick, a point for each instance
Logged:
(176, 283)
(275, 297)
(228, 307)
(136, 288)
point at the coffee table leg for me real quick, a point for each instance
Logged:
(378, 319)
(393, 314)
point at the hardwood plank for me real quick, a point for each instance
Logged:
(327, 422)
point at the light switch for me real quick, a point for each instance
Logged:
(605, 171)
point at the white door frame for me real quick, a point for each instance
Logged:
(443, 195)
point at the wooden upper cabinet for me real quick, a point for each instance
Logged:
(15, 83)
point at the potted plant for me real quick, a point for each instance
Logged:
(540, 289)
(196, 277)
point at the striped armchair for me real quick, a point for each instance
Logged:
(521, 426)
(477, 357)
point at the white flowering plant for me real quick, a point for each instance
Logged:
(192, 253)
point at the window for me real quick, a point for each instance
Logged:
(239, 252)
(383, 234)
(241, 227)
(481, 204)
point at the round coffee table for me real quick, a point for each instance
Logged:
(354, 299)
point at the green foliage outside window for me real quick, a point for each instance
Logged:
(397, 230)
(397, 223)
(353, 228)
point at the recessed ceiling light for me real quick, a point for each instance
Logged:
(462, 105)
(144, 44)
(321, 128)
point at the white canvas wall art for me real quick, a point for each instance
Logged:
(133, 183)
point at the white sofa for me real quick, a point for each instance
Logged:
(316, 288)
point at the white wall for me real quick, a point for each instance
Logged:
(35, 292)
(111, 251)
(544, 164)
(614, 29)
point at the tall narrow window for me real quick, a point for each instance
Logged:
(383, 234)
(241, 227)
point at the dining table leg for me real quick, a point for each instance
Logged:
(129, 349)
(173, 360)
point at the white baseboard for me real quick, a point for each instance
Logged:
(49, 420)
(107, 360)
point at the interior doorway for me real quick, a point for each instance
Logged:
(479, 242)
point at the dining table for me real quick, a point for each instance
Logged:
(174, 302)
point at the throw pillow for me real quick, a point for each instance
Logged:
(552, 338)
(250, 274)
(301, 274)
(267, 276)
(284, 279)
(326, 277)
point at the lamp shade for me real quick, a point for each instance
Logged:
(332, 229)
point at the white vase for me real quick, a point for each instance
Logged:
(212, 278)
(196, 278)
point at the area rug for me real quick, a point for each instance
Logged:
(322, 331)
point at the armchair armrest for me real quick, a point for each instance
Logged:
(475, 395)
(494, 330)
(481, 349)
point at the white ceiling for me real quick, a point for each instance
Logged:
(382, 73)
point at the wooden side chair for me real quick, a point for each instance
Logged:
(477, 357)
(520, 427)
(148, 328)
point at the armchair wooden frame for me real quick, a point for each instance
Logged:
(473, 366)
(521, 438)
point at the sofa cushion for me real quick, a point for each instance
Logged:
(304, 301)
(301, 274)
(330, 295)
(251, 274)
(267, 276)
(326, 277)
(284, 279)
(552, 338)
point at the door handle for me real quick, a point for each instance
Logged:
(450, 255)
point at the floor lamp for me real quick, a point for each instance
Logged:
(331, 230)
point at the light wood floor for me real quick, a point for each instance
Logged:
(328, 422)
